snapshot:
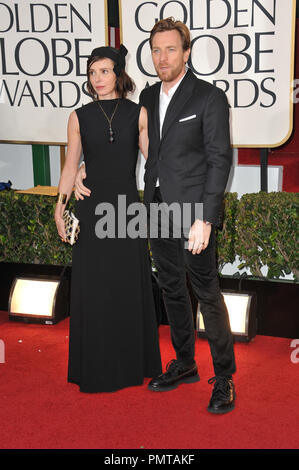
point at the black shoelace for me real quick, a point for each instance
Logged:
(221, 388)
(172, 366)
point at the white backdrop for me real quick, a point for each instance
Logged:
(44, 46)
(244, 47)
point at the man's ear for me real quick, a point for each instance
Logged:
(187, 55)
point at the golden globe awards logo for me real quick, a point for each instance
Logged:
(44, 48)
(246, 48)
(235, 54)
(39, 55)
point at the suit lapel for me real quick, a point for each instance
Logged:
(179, 99)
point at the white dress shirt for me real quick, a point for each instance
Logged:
(164, 102)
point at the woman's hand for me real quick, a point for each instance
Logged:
(60, 223)
(67, 178)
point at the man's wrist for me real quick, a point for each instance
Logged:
(206, 222)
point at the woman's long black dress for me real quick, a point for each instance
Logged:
(113, 330)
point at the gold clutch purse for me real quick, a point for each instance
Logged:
(72, 227)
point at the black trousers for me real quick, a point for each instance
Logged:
(172, 260)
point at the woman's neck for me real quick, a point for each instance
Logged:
(111, 96)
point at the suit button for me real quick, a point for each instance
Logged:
(161, 180)
(160, 158)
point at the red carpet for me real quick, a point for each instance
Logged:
(40, 410)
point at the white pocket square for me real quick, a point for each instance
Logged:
(187, 118)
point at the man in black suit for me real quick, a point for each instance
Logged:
(189, 160)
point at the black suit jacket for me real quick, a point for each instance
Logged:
(193, 157)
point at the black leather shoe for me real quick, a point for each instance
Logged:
(176, 374)
(223, 396)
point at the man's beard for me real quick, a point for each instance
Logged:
(169, 75)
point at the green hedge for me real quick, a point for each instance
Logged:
(28, 232)
(260, 228)
(267, 233)
(226, 235)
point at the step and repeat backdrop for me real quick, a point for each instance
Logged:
(44, 46)
(245, 47)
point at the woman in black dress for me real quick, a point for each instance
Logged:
(113, 329)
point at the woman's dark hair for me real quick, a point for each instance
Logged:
(124, 84)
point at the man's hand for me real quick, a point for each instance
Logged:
(80, 189)
(199, 236)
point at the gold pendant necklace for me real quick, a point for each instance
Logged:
(111, 132)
